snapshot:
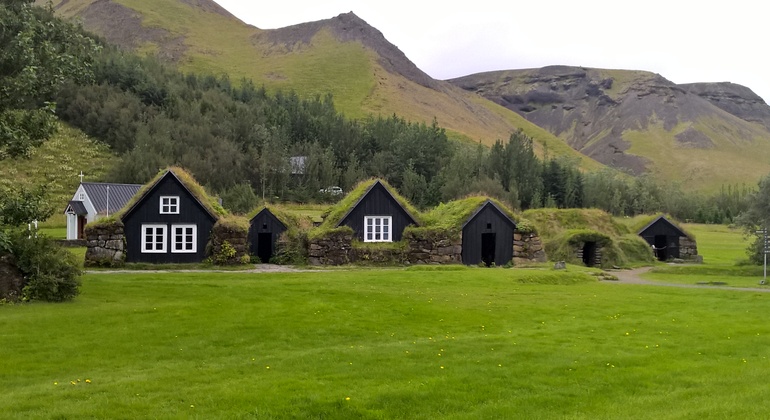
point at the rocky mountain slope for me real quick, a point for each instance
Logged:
(343, 55)
(639, 121)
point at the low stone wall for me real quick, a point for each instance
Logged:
(106, 245)
(433, 250)
(688, 250)
(527, 248)
(332, 249)
(229, 244)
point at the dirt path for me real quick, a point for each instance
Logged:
(634, 277)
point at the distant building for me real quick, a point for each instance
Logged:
(93, 200)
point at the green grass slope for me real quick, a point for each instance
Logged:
(381, 344)
(312, 59)
(57, 164)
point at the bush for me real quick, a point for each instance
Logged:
(51, 273)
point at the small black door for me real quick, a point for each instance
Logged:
(488, 248)
(661, 252)
(265, 246)
(589, 254)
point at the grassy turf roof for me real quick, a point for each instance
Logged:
(552, 222)
(452, 216)
(209, 203)
(343, 207)
(640, 222)
(288, 217)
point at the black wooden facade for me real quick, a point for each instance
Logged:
(264, 230)
(663, 236)
(147, 212)
(378, 201)
(488, 236)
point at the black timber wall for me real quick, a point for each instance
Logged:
(264, 222)
(377, 202)
(147, 210)
(498, 224)
(664, 228)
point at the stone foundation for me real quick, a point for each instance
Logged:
(688, 250)
(527, 248)
(237, 238)
(433, 249)
(332, 249)
(106, 245)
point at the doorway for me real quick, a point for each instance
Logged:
(265, 247)
(661, 253)
(589, 254)
(488, 248)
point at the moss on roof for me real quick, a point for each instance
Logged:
(640, 222)
(233, 222)
(209, 203)
(288, 217)
(552, 222)
(451, 216)
(341, 209)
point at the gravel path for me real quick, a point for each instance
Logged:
(634, 277)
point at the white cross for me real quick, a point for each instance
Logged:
(81, 177)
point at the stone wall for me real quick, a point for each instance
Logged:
(331, 249)
(597, 255)
(433, 249)
(688, 250)
(527, 248)
(106, 245)
(229, 244)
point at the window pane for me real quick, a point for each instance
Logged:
(385, 236)
(385, 221)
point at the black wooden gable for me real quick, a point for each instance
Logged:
(378, 201)
(490, 206)
(147, 211)
(488, 236)
(660, 227)
(264, 230)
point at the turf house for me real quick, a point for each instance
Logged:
(367, 223)
(668, 241)
(94, 200)
(264, 230)
(170, 220)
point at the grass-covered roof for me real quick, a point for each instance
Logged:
(347, 203)
(285, 215)
(208, 202)
(552, 222)
(452, 216)
(637, 223)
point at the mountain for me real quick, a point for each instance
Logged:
(343, 55)
(703, 134)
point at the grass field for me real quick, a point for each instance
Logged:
(724, 256)
(450, 343)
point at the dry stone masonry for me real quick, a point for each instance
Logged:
(106, 245)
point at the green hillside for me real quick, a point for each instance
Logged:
(57, 164)
(311, 59)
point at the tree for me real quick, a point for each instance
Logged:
(757, 216)
(39, 54)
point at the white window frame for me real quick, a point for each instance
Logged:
(380, 225)
(156, 228)
(172, 204)
(82, 197)
(193, 241)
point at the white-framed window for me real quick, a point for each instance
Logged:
(183, 238)
(153, 238)
(378, 229)
(82, 197)
(169, 205)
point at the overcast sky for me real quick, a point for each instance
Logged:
(684, 41)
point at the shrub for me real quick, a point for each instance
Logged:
(51, 273)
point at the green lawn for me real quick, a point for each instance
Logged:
(451, 343)
(724, 256)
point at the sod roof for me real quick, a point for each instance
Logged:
(209, 203)
(452, 216)
(340, 210)
(284, 215)
(642, 223)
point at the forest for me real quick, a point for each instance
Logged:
(245, 143)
